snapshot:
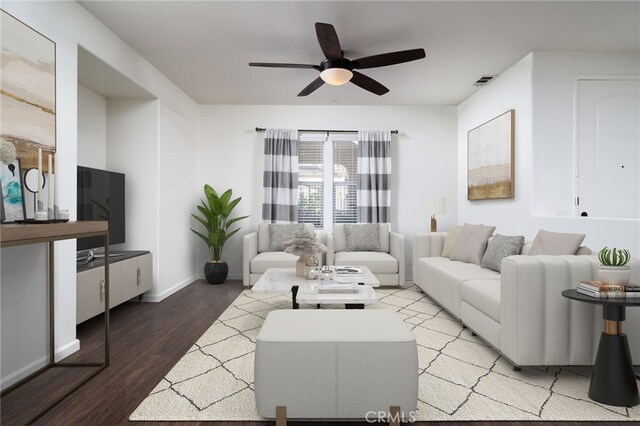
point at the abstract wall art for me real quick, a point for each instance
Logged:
(28, 90)
(490, 159)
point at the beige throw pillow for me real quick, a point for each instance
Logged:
(450, 240)
(471, 243)
(555, 243)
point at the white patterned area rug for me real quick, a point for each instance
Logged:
(461, 378)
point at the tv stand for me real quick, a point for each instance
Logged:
(130, 275)
(91, 255)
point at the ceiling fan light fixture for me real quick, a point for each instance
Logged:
(336, 76)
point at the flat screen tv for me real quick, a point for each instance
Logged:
(101, 197)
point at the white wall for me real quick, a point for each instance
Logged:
(178, 196)
(92, 128)
(540, 88)
(68, 24)
(132, 140)
(510, 90)
(423, 159)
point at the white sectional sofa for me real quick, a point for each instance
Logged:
(521, 311)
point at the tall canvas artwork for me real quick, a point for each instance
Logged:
(490, 171)
(28, 88)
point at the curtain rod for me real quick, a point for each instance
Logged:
(262, 129)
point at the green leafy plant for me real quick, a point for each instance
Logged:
(215, 218)
(614, 256)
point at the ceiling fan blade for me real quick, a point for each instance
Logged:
(386, 59)
(328, 40)
(315, 84)
(279, 65)
(367, 83)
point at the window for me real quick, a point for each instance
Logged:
(327, 195)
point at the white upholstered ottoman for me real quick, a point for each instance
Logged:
(335, 364)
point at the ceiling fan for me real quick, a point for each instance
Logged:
(338, 70)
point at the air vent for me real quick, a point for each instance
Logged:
(484, 80)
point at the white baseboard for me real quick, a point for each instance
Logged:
(158, 297)
(59, 354)
(68, 349)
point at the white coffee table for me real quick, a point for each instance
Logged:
(284, 281)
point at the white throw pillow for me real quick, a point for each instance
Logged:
(471, 243)
(450, 240)
(555, 243)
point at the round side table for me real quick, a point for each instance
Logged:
(613, 381)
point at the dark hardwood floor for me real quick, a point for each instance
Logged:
(147, 340)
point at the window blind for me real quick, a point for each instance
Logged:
(345, 181)
(310, 182)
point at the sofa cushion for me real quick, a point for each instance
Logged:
(499, 247)
(340, 239)
(484, 295)
(450, 240)
(362, 237)
(555, 243)
(279, 233)
(272, 259)
(377, 262)
(471, 243)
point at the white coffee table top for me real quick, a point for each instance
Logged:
(280, 280)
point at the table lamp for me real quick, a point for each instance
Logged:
(434, 206)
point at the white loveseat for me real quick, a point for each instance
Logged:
(256, 257)
(521, 311)
(387, 265)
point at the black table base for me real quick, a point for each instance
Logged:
(613, 381)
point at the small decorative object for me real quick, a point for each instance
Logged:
(310, 267)
(490, 159)
(434, 206)
(306, 246)
(63, 215)
(41, 216)
(215, 219)
(12, 194)
(326, 273)
(614, 268)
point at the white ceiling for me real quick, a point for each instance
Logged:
(204, 47)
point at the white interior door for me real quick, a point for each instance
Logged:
(609, 148)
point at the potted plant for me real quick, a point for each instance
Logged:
(614, 268)
(215, 218)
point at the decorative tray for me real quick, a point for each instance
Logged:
(40, 222)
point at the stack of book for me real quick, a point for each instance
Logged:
(601, 290)
(338, 288)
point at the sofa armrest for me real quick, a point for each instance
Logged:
(321, 236)
(540, 327)
(426, 245)
(330, 249)
(249, 251)
(397, 249)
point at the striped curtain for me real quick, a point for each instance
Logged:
(280, 179)
(374, 177)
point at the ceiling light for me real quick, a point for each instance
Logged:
(336, 76)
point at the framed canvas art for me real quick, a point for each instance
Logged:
(12, 193)
(28, 99)
(490, 160)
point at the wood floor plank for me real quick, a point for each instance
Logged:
(147, 340)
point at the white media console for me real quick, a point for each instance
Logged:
(130, 275)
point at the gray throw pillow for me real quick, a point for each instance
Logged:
(362, 237)
(471, 243)
(450, 240)
(555, 243)
(501, 246)
(278, 234)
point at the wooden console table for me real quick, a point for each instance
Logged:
(16, 235)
